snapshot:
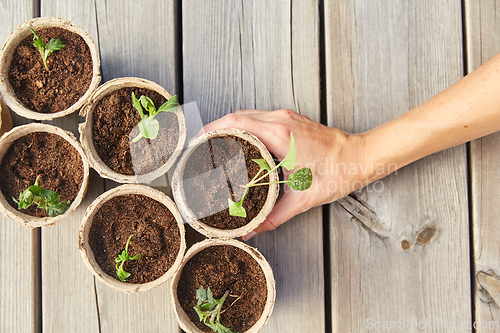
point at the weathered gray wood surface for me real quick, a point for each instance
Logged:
(265, 55)
(382, 59)
(72, 292)
(483, 27)
(19, 246)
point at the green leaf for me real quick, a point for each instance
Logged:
(210, 296)
(262, 163)
(236, 209)
(291, 158)
(137, 105)
(300, 180)
(170, 105)
(58, 209)
(122, 258)
(149, 127)
(201, 295)
(148, 104)
(46, 49)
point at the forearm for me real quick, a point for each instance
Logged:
(465, 111)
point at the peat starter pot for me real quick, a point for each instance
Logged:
(49, 67)
(132, 238)
(44, 174)
(223, 285)
(134, 130)
(210, 183)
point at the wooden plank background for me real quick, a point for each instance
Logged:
(265, 55)
(20, 308)
(381, 59)
(482, 28)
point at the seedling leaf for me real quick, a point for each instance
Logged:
(170, 105)
(263, 164)
(46, 49)
(300, 180)
(44, 199)
(290, 159)
(209, 309)
(148, 104)
(122, 258)
(236, 208)
(148, 125)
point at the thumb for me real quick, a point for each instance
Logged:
(289, 205)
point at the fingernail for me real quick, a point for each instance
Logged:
(249, 235)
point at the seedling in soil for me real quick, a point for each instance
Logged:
(300, 180)
(148, 125)
(44, 199)
(122, 258)
(209, 309)
(46, 49)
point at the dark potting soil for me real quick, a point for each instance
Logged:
(115, 126)
(222, 268)
(43, 154)
(68, 78)
(156, 237)
(214, 173)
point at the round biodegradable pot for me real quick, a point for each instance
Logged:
(27, 164)
(111, 125)
(225, 265)
(5, 118)
(214, 168)
(154, 223)
(40, 83)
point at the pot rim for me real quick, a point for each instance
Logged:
(8, 48)
(86, 137)
(187, 213)
(32, 221)
(185, 323)
(88, 254)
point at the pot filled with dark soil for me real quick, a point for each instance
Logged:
(212, 173)
(51, 76)
(44, 174)
(122, 144)
(223, 282)
(5, 118)
(132, 238)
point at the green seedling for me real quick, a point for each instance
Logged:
(209, 309)
(148, 125)
(300, 180)
(46, 49)
(121, 259)
(44, 199)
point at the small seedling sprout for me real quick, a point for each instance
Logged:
(148, 125)
(46, 49)
(44, 199)
(300, 180)
(121, 259)
(209, 309)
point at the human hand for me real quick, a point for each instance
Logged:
(336, 158)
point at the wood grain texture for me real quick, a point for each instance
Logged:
(482, 24)
(138, 40)
(264, 55)
(20, 302)
(68, 291)
(383, 59)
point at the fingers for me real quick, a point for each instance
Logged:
(232, 120)
(288, 206)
